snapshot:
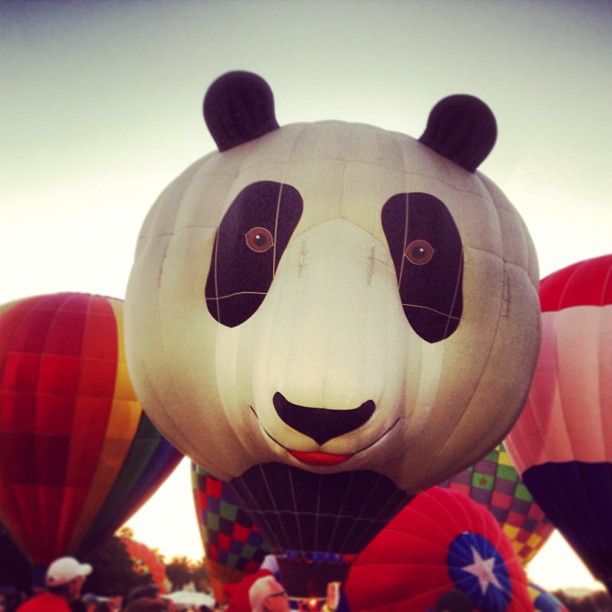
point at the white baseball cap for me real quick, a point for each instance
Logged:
(65, 569)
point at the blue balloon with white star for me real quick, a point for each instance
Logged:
(478, 569)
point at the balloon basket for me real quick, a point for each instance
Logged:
(314, 604)
(305, 577)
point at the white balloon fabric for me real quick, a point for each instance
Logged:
(333, 299)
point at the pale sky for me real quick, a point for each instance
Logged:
(100, 108)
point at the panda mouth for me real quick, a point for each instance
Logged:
(321, 458)
(318, 458)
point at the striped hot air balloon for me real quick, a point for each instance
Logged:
(562, 443)
(78, 456)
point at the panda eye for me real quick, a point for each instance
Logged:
(250, 241)
(419, 252)
(259, 239)
(430, 283)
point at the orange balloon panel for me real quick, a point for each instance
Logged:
(68, 422)
(568, 415)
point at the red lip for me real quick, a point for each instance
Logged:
(316, 458)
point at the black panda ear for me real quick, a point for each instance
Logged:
(238, 107)
(463, 129)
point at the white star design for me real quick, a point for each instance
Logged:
(483, 570)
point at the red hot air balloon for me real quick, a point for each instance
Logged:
(78, 455)
(442, 541)
(562, 443)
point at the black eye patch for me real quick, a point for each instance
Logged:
(427, 253)
(248, 246)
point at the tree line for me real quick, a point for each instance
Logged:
(113, 574)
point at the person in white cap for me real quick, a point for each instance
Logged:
(64, 580)
(267, 595)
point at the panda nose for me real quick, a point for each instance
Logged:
(321, 424)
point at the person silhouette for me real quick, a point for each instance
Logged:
(64, 580)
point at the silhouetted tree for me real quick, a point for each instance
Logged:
(125, 532)
(598, 601)
(113, 572)
(199, 574)
(182, 571)
(178, 572)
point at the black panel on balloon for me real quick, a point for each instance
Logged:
(301, 511)
(427, 253)
(248, 246)
(577, 498)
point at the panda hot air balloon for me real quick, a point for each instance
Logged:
(318, 315)
(78, 456)
(562, 443)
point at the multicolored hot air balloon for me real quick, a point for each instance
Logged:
(543, 601)
(562, 443)
(320, 315)
(442, 541)
(494, 483)
(233, 545)
(77, 454)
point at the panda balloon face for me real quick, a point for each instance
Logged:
(333, 299)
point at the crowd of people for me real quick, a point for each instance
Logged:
(259, 592)
(64, 580)
(65, 577)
